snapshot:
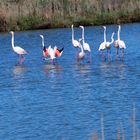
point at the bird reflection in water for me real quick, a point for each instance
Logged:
(19, 70)
(84, 68)
(53, 70)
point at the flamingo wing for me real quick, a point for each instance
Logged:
(19, 50)
(102, 46)
(86, 47)
(108, 44)
(122, 44)
(75, 43)
(116, 44)
(59, 52)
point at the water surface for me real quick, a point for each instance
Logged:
(65, 101)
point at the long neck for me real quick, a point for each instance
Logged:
(43, 42)
(83, 34)
(112, 38)
(119, 29)
(81, 47)
(104, 34)
(12, 41)
(72, 33)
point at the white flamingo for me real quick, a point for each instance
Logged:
(75, 43)
(20, 51)
(86, 46)
(81, 54)
(108, 46)
(45, 50)
(103, 44)
(119, 44)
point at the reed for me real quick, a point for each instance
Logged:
(30, 14)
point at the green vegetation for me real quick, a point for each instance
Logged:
(35, 14)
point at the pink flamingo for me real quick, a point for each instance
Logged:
(20, 51)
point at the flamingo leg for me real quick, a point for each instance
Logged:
(108, 54)
(56, 61)
(22, 59)
(103, 56)
(77, 55)
(122, 54)
(90, 58)
(51, 61)
(117, 53)
(83, 60)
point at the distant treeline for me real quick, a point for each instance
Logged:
(35, 14)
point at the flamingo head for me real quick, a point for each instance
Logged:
(72, 25)
(113, 33)
(41, 36)
(11, 32)
(81, 27)
(119, 26)
(80, 39)
(104, 27)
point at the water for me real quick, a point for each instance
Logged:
(66, 101)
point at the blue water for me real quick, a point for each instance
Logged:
(40, 101)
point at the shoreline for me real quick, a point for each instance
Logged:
(63, 25)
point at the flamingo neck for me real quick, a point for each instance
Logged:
(105, 35)
(82, 50)
(72, 33)
(83, 37)
(12, 41)
(43, 42)
(119, 29)
(112, 39)
(83, 34)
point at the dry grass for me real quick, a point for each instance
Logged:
(62, 13)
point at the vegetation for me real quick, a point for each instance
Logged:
(33, 14)
(121, 135)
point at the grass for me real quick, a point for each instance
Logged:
(38, 14)
(121, 132)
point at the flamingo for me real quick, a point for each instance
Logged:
(51, 53)
(116, 44)
(121, 43)
(81, 54)
(103, 44)
(108, 45)
(20, 51)
(75, 43)
(86, 46)
(45, 50)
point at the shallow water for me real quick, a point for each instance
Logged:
(65, 101)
